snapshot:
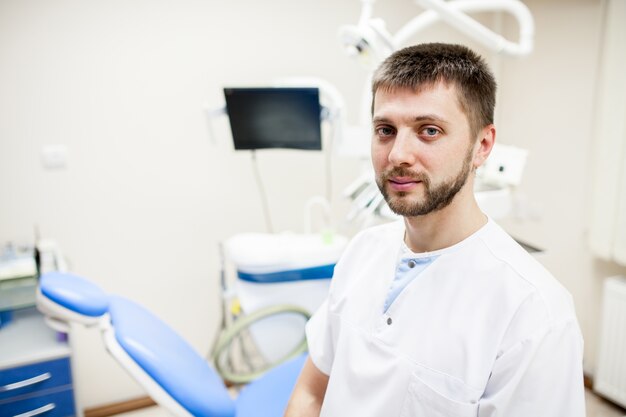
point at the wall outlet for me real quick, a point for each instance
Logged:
(54, 156)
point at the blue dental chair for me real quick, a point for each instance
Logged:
(164, 364)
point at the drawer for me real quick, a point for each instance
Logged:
(29, 379)
(57, 402)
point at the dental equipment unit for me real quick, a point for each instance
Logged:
(279, 280)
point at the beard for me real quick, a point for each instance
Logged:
(436, 197)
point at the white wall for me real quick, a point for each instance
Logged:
(547, 106)
(146, 198)
(607, 235)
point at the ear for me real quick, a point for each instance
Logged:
(484, 145)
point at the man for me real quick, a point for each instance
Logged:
(443, 314)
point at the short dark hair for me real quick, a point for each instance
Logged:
(427, 64)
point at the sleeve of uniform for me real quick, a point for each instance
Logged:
(539, 376)
(319, 338)
(320, 331)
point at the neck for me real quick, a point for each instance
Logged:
(448, 226)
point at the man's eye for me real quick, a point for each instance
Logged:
(431, 131)
(384, 131)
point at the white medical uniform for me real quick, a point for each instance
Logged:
(484, 330)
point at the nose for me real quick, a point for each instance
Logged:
(403, 151)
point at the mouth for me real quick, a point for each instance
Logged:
(403, 183)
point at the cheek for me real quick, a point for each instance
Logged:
(379, 155)
(439, 164)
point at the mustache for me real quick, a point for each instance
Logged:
(404, 172)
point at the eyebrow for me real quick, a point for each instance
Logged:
(420, 118)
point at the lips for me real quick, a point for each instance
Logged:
(403, 183)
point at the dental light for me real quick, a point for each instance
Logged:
(371, 42)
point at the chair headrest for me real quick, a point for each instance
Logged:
(71, 298)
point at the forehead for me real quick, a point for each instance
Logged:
(440, 99)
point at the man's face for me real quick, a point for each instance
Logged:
(421, 148)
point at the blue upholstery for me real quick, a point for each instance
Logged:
(268, 395)
(169, 360)
(74, 293)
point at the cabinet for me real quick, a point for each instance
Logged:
(35, 370)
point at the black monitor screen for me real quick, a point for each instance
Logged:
(274, 117)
